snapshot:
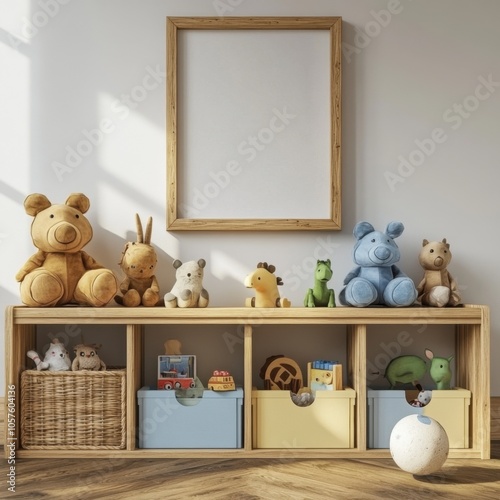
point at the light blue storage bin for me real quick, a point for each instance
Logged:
(213, 421)
(448, 407)
(385, 409)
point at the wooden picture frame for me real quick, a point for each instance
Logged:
(325, 174)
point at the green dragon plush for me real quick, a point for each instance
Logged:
(320, 295)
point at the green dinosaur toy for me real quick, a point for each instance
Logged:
(321, 295)
(405, 370)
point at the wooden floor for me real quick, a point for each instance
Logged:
(249, 479)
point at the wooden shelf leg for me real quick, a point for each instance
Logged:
(134, 357)
(247, 386)
(356, 366)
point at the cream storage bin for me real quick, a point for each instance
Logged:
(327, 423)
(450, 408)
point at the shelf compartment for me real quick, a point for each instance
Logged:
(212, 421)
(327, 423)
(83, 410)
(448, 407)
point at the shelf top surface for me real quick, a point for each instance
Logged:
(469, 314)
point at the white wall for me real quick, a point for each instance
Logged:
(68, 65)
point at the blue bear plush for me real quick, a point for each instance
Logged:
(376, 280)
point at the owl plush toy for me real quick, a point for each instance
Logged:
(87, 358)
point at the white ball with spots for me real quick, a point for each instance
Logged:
(419, 445)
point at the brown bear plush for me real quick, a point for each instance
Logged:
(60, 272)
(437, 288)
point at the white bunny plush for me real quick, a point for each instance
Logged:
(56, 358)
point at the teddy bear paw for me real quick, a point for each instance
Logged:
(132, 299)
(439, 296)
(103, 288)
(204, 298)
(150, 298)
(400, 292)
(359, 293)
(41, 288)
(170, 300)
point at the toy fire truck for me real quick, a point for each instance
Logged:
(176, 372)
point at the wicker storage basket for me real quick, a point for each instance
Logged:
(81, 410)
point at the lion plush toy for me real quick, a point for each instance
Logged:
(61, 272)
(188, 290)
(377, 280)
(139, 264)
(437, 288)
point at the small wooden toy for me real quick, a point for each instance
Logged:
(221, 380)
(281, 373)
(320, 295)
(423, 397)
(176, 371)
(324, 375)
(265, 284)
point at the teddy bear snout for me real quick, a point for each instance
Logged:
(65, 233)
(438, 262)
(382, 253)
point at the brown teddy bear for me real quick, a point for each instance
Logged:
(60, 272)
(437, 288)
(139, 264)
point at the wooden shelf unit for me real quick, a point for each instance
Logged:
(472, 333)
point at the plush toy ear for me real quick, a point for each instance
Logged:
(202, 263)
(78, 201)
(394, 229)
(35, 203)
(177, 263)
(429, 354)
(425, 242)
(138, 225)
(149, 230)
(124, 253)
(362, 229)
(447, 244)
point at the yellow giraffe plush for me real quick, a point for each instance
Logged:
(265, 284)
